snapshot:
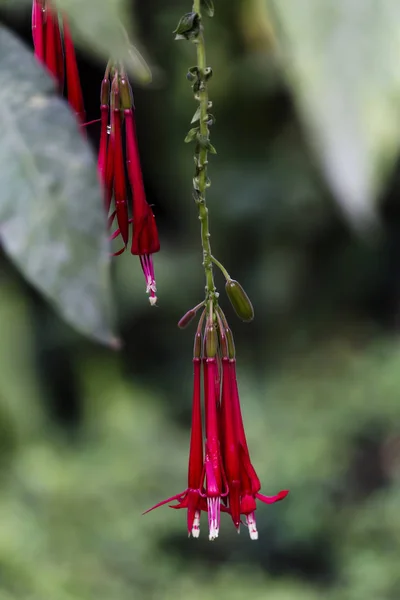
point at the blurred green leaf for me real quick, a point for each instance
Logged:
(51, 216)
(208, 6)
(341, 59)
(103, 28)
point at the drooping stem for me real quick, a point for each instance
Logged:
(201, 180)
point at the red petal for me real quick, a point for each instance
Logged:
(179, 497)
(134, 169)
(145, 235)
(271, 499)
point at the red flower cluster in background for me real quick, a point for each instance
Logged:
(54, 47)
(118, 160)
(119, 139)
(221, 476)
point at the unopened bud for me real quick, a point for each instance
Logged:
(125, 93)
(105, 92)
(231, 343)
(239, 300)
(187, 318)
(197, 345)
(211, 341)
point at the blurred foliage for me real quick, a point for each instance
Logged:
(91, 438)
(59, 243)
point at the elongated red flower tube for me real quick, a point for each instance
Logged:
(213, 463)
(56, 51)
(104, 135)
(121, 204)
(111, 166)
(224, 479)
(230, 443)
(52, 30)
(38, 29)
(74, 88)
(192, 498)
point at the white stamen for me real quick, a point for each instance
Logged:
(196, 524)
(214, 507)
(251, 524)
(153, 300)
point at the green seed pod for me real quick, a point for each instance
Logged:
(239, 300)
(211, 341)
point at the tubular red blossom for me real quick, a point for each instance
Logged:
(49, 47)
(121, 205)
(74, 89)
(133, 164)
(101, 162)
(38, 29)
(109, 173)
(52, 30)
(145, 235)
(111, 167)
(224, 479)
(213, 461)
(249, 482)
(191, 498)
(230, 443)
(104, 129)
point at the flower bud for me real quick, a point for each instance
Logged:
(230, 342)
(105, 92)
(211, 341)
(197, 346)
(125, 93)
(187, 318)
(239, 300)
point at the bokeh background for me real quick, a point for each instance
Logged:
(91, 438)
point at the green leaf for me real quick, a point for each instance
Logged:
(196, 116)
(208, 6)
(342, 62)
(192, 134)
(101, 27)
(52, 221)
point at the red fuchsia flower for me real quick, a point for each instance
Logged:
(224, 479)
(117, 123)
(214, 470)
(54, 48)
(193, 497)
(237, 458)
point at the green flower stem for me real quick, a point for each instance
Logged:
(221, 268)
(202, 159)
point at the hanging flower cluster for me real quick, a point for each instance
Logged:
(54, 47)
(221, 476)
(118, 135)
(118, 153)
